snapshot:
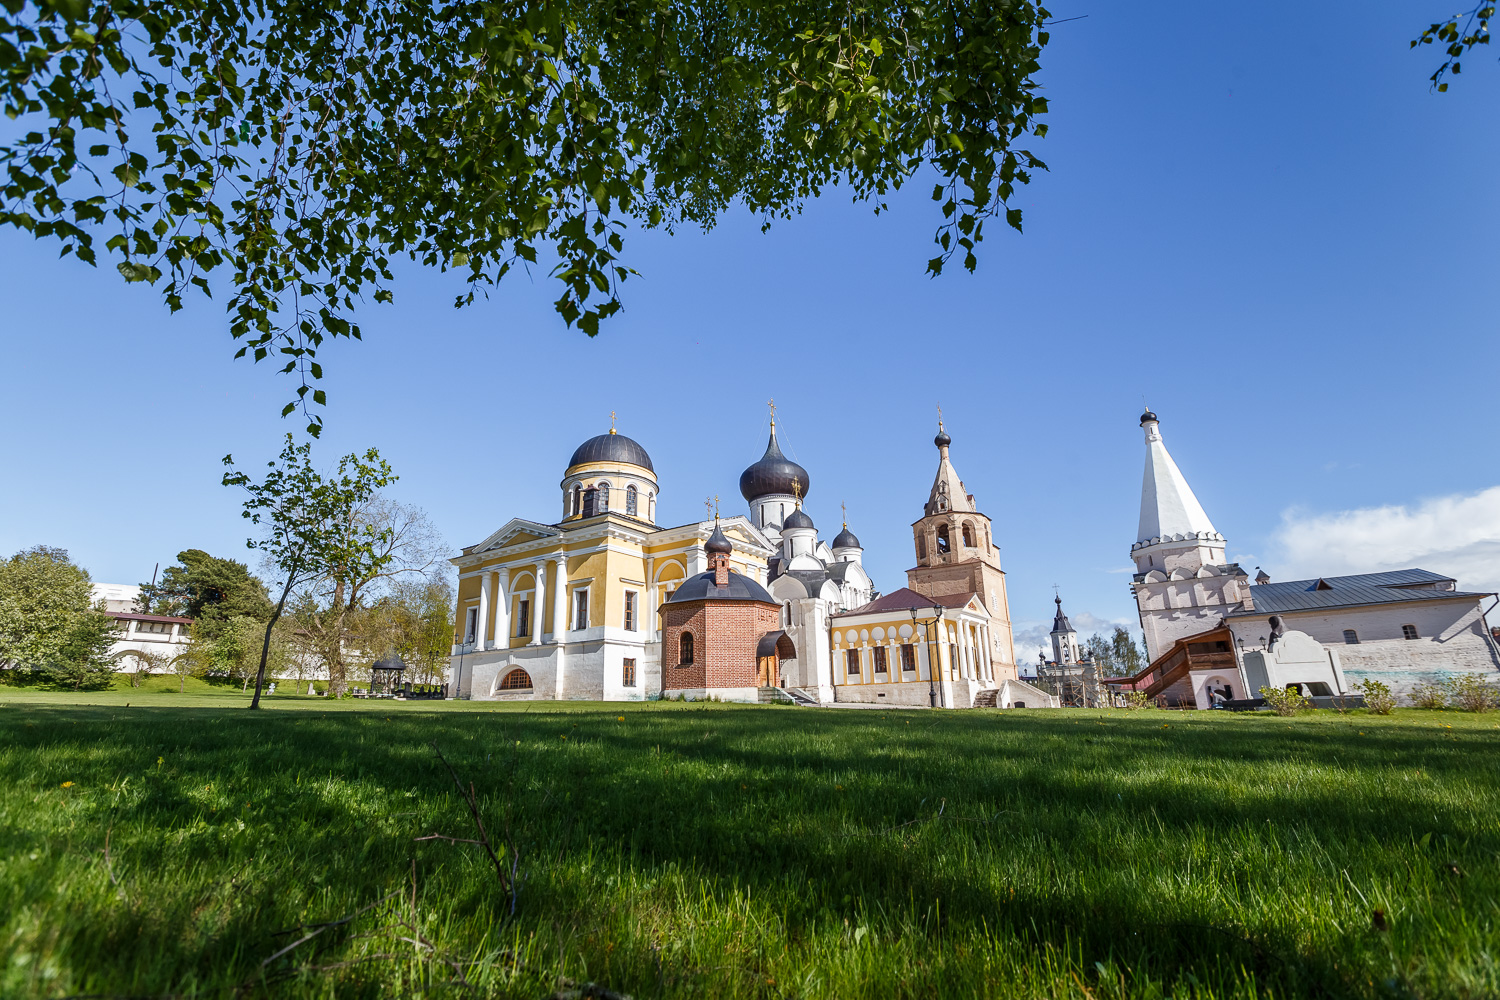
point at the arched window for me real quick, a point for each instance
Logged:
(577, 497)
(1409, 632)
(921, 546)
(516, 680)
(651, 507)
(603, 497)
(942, 540)
(1351, 637)
(686, 645)
(968, 535)
(630, 504)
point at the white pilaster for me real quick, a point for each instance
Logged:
(538, 604)
(502, 609)
(482, 626)
(560, 611)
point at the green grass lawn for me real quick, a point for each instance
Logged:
(728, 851)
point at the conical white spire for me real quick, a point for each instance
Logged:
(1168, 506)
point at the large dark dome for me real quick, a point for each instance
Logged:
(702, 588)
(611, 447)
(773, 474)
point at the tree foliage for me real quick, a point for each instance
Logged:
(201, 581)
(49, 620)
(311, 523)
(1457, 35)
(291, 150)
(1117, 654)
(414, 620)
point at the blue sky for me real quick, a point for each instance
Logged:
(1258, 217)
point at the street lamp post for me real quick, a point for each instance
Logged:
(457, 677)
(932, 656)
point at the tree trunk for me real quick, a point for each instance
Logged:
(265, 647)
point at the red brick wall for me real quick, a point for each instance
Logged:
(725, 634)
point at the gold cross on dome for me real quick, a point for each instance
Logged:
(611, 421)
(940, 416)
(708, 506)
(845, 508)
(797, 490)
(772, 404)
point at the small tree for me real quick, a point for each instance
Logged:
(1473, 693)
(146, 662)
(1128, 657)
(1285, 701)
(1429, 695)
(1135, 700)
(1378, 697)
(310, 526)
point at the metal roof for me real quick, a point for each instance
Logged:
(1391, 587)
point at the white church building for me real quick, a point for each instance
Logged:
(1210, 631)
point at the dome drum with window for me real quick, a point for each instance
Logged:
(610, 473)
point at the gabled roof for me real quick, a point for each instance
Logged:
(906, 599)
(1391, 587)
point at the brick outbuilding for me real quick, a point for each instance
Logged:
(712, 626)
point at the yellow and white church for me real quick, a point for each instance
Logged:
(570, 609)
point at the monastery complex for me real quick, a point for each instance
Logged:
(606, 604)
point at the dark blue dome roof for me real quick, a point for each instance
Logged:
(1148, 415)
(611, 447)
(797, 519)
(846, 539)
(942, 440)
(702, 588)
(773, 474)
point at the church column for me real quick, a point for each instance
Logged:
(538, 603)
(560, 611)
(483, 620)
(650, 621)
(502, 609)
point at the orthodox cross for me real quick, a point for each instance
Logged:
(772, 404)
(845, 508)
(611, 421)
(940, 416)
(711, 506)
(797, 490)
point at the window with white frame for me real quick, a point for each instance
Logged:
(581, 608)
(630, 604)
(851, 662)
(523, 617)
(880, 665)
(630, 500)
(1409, 632)
(603, 494)
(627, 675)
(471, 624)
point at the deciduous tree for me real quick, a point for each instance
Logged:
(49, 620)
(291, 150)
(311, 527)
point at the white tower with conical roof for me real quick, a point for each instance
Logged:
(1184, 584)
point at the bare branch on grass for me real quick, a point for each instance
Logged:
(507, 879)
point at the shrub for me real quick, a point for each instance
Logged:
(1285, 701)
(1136, 699)
(1473, 693)
(1378, 697)
(1429, 695)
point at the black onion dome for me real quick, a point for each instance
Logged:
(846, 539)
(1060, 621)
(702, 588)
(717, 542)
(797, 519)
(611, 447)
(1148, 415)
(942, 440)
(773, 474)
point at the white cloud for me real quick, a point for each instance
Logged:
(1456, 535)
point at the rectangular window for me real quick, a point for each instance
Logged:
(908, 657)
(471, 624)
(851, 661)
(523, 617)
(880, 659)
(952, 658)
(581, 608)
(628, 676)
(1409, 632)
(160, 628)
(630, 611)
(1351, 637)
